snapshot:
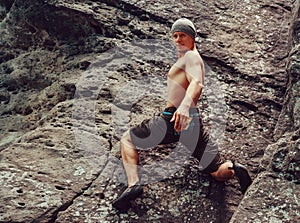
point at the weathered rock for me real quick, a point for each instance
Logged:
(76, 74)
(273, 197)
(43, 173)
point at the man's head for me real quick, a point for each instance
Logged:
(184, 25)
(183, 34)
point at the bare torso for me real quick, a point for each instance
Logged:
(178, 81)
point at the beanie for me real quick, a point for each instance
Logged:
(184, 25)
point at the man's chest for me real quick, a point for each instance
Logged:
(177, 76)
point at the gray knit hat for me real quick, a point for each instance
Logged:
(184, 25)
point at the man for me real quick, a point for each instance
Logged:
(180, 121)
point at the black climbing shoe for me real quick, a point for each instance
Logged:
(131, 193)
(242, 175)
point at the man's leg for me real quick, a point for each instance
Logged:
(149, 133)
(207, 153)
(130, 159)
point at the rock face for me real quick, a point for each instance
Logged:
(274, 194)
(76, 74)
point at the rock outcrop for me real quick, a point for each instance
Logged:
(273, 197)
(76, 74)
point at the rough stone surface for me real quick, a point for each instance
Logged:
(274, 195)
(71, 73)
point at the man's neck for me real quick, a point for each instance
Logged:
(182, 53)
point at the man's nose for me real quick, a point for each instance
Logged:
(178, 39)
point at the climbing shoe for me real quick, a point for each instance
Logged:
(123, 202)
(242, 175)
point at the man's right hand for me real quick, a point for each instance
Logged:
(181, 120)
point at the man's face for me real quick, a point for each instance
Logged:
(183, 41)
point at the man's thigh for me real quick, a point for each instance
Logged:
(152, 132)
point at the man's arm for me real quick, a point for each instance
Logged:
(194, 74)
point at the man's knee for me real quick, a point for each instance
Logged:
(126, 140)
(125, 136)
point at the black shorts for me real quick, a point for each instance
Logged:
(159, 131)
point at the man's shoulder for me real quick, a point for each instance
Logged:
(192, 55)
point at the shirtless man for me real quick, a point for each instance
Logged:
(185, 84)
